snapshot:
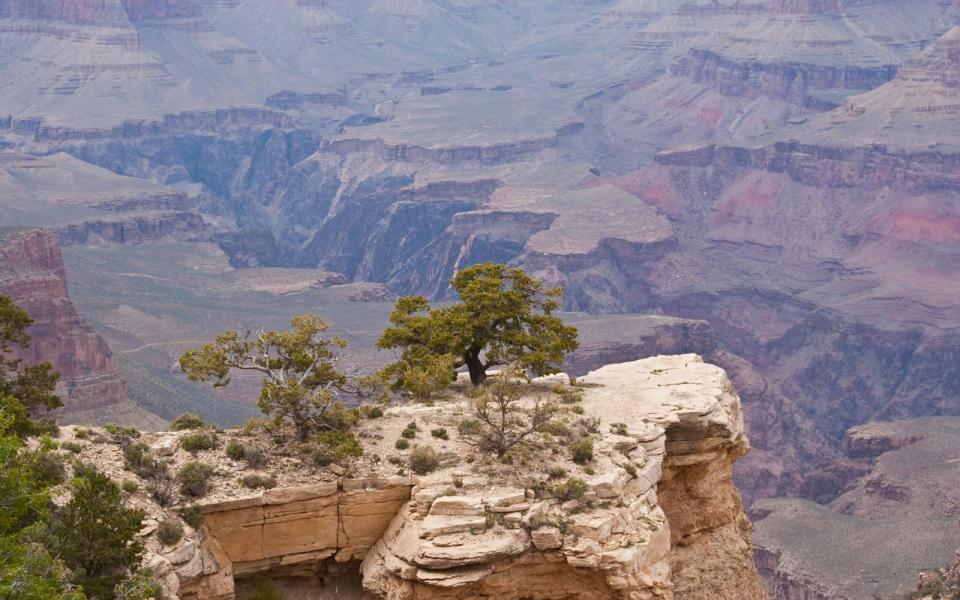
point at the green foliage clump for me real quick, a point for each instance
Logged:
(83, 469)
(94, 535)
(23, 389)
(440, 433)
(199, 440)
(129, 486)
(142, 585)
(338, 445)
(571, 489)
(409, 433)
(192, 515)
(49, 468)
(120, 434)
(582, 450)
(187, 421)
(504, 317)
(170, 532)
(194, 478)
(235, 450)
(298, 368)
(137, 458)
(71, 447)
(257, 480)
(557, 473)
(631, 469)
(401, 444)
(423, 460)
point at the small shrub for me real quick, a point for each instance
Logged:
(423, 460)
(169, 532)
(401, 444)
(71, 447)
(49, 468)
(142, 585)
(187, 421)
(121, 435)
(582, 450)
(409, 433)
(137, 458)
(440, 433)
(618, 428)
(82, 433)
(576, 409)
(254, 455)
(568, 395)
(371, 411)
(458, 482)
(413, 425)
(256, 480)
(557, 473)
(194, 478)
(197, 441)
(162, 488)
(631, 469)
(84, 469)
(129, 486)
(235, 450)
(338, 445)
(192, 516)
(589, 470)
(571, 489)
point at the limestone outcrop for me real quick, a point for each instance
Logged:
(653, 514)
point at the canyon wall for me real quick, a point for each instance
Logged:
(32, 274)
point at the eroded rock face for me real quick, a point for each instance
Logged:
(659, 519)
(32, 274)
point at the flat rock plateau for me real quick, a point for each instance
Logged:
(771, 184)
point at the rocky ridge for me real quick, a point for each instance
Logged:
(669, 525)
(33, 275)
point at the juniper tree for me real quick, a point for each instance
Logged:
(504, 318)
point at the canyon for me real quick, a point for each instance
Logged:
(771, 184)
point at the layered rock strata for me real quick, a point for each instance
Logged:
(32, 274)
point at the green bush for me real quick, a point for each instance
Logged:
(194, 478)
(49, 468)
(169, 532)
(187, 421)
(631, 469)
(82, 433)
(409, 433)
(129, 486)
(571, 489)
(371, 411)
(71, 447)
(142, 585)
(94, 534)
(192, 516)
(235, 450)
(121, 435)
(423, 460)
(440, 432)
(137, 458)
(256, 480)
(83, 469)
(557, 473)
(582, 450)
(162, 487)
(618, 428)
(401, 444)
(197, 441)
(338, 445)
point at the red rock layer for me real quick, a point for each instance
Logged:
(32, 273)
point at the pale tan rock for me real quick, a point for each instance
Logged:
(478, 549)
(547, 538)
(436, 525)
(458, 506)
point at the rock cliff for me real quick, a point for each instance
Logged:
(32, 273)
(657, 515)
